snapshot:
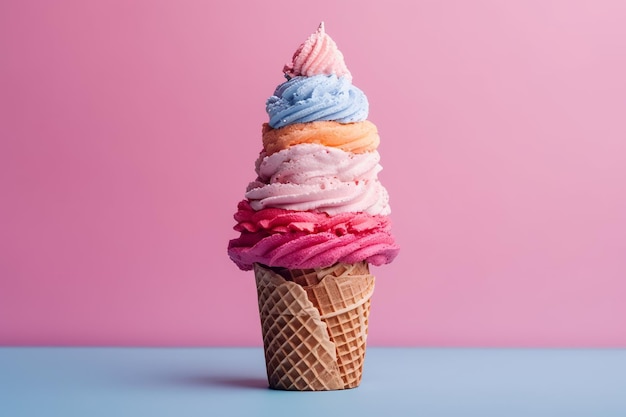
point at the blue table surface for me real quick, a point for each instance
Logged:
(208, 382)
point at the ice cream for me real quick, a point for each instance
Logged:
(316, 177)
(301, 240)
(313, 220)
(317, 55)
(356, 137)
(316, 98)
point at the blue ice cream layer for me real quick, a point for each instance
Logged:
(321, 97)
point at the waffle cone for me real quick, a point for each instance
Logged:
(314, 325)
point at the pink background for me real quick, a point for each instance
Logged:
(129, 129)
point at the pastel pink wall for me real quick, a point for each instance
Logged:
(129, 129)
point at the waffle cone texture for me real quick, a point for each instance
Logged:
(314, 324)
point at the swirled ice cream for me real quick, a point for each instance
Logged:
(316, 98)
(316, 177)
(351, 137)
(317, 199)
(307, 239)
(317, 55)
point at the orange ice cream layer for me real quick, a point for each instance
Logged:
(356, 137)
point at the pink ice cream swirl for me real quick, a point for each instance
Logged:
(317, 55)
(300, 240)
(312, 177)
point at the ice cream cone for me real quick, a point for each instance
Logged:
(316, 201)
(314, 325)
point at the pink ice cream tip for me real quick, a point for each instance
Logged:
(317, 55)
